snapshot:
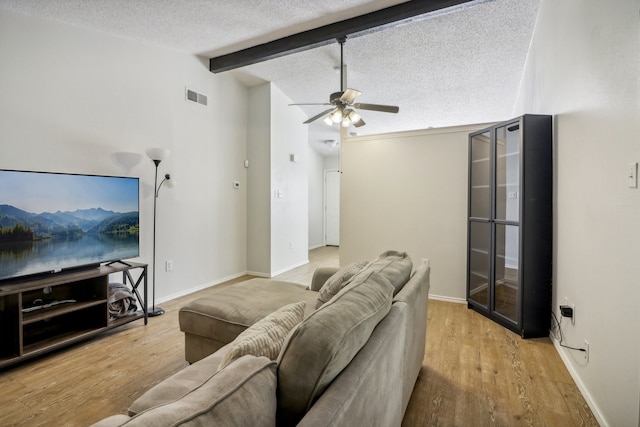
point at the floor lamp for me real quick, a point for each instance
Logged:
(157, 155)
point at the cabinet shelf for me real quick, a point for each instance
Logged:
(55, 341)
(484, 159)
(46, 313)
(58, 310)
(480, 275)
(480, 251)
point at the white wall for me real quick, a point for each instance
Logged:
(408, 191)
(289, 213)
(72, 98)
(583, 67)
(259, 181)
(316, 199)
(331, 162)
(278, 236)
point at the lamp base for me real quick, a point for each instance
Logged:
(156, 311)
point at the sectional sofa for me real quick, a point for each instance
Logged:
(346, 351)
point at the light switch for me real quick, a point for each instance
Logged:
(633, 175)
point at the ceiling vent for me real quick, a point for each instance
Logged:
(193, 96)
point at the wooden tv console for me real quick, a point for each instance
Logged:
(46, 313)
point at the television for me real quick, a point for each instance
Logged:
(52, 222)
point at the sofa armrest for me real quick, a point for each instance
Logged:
(320, 276)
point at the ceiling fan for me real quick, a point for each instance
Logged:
(342, 106)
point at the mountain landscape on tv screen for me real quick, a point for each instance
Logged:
(17, 225)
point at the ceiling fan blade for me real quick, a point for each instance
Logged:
(317, 116)
(359, 123)
(350, 95)
(378, 107)
(317, 103)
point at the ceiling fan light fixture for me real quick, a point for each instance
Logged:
(346, 122)
(328, 121)
(353, 116)
(336, 116)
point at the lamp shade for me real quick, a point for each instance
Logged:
(158, 154)
(170, 182)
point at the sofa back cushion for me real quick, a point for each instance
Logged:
(395, 266)
(320, 347)
(265, 337)
(242, 394)
(338, 280)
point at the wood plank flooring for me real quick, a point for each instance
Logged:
(475, 372)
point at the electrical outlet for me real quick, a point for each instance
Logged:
(632, 175)
(586, 352)
(573, 318)
(573, 310)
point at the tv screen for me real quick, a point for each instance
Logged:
(52, 221)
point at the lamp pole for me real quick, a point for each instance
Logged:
(155, 311)
(157, 155)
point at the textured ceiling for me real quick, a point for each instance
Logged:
(455, 68)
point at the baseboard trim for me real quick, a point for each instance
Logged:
(199, 288)
(448, 299)
(291, 267)
(259, 274)
(276, 273)
(576, 378)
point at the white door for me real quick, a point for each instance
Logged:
(332, 208)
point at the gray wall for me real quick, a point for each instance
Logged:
(583, 67)
(408, 191)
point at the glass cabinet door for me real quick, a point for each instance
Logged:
(507, 278)
(479, 261)
(480, 176)
(507, 152)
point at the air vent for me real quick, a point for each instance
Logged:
(194, 96)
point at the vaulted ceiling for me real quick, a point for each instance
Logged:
(447, 69)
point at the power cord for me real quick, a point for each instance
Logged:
(557, 324)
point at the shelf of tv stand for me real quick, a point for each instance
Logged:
(48, 313)
(79, 310)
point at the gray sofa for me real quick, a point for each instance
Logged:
(352, 361)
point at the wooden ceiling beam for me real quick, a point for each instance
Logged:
(392, 16)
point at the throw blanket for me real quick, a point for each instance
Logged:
(121, 301)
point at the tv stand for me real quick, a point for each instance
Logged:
(70, 307)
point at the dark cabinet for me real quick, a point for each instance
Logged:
(509, 228)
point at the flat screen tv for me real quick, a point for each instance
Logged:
(50, 222)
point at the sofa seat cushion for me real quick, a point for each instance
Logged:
(225, 313)
(242, 394)
(265, 337)
(320, 347)
(395, 266)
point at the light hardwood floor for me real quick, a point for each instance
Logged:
(475, 372)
